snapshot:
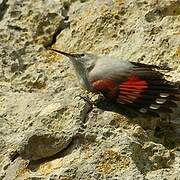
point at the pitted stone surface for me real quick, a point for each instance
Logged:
(46, 131)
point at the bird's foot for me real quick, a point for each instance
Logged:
(87, 99)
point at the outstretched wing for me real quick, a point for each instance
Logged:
(140, 88)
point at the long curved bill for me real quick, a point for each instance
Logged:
(63, 53)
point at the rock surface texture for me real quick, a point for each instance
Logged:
(46, 131)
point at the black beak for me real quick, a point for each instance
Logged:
(63, 53)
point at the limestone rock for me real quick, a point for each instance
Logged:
(59, 135)
(38, 145)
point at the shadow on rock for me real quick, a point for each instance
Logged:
(166, 128)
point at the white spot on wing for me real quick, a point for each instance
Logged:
(160, 101)
(164, 95)
(143, 110)
(154, 106)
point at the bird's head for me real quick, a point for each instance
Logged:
(80, 60)
(83, 64)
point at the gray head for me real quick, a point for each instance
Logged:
(83, 64)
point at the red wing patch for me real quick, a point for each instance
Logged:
(131, 89)
(126, 92)
(107, 87)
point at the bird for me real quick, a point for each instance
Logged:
(135, 86)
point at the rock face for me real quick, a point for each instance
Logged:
(46, 131)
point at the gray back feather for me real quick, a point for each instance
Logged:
(108, 67)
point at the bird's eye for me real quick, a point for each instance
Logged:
(78, 55)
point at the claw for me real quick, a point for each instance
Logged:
(86, 99)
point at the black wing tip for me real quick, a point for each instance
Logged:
(161, 67)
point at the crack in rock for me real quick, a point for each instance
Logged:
(3, 8)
